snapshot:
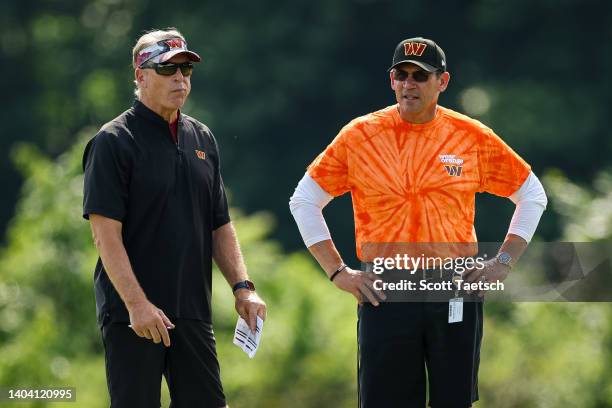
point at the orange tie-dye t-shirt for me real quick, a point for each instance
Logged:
(417, 182)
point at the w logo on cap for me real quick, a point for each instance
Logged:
(414, 48)
(175, 43)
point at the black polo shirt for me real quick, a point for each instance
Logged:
(169, 197)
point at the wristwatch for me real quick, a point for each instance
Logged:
(504, 258)
(245, 284)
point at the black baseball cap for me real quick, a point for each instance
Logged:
(422, 52)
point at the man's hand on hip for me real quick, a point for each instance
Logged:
(149, 321)
(249, 305)
(492, 271)
(360, 284)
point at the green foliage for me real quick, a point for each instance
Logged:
(277, 83)
(587, 214)
(547, 355)
(47, 313)
(534, 355)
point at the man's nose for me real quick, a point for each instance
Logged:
(178, 75)
(409, 83)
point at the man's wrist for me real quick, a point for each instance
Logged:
(243, 293)
(135, 301)
(243, 285)
(504, 258)
(340, 268)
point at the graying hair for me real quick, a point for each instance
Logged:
(150, 38)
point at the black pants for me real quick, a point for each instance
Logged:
(399, 341)
(135, 365)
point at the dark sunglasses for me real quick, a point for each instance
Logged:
(169, 68)
(418, 76)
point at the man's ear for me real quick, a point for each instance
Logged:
(444, 80)
(140, 77)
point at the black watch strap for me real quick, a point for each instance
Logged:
(342, 267)
(245, 284)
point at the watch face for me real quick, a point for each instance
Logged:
(250, 285)
(504, 258)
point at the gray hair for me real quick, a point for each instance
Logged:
(150, 38)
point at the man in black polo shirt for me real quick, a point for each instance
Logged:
(158, 211)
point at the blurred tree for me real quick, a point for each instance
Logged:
(534, 355)
(279, 80)
(48, 334)
(277, 83)
(587, 213)
(554, 354)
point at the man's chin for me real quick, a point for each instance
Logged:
(409, 106)
(176, 104)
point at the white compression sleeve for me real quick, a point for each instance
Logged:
(530, 200)
(306, 205)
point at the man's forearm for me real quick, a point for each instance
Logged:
(514, 246)
(109, 244)
(227, 254)
(327, 255)
(119, 270)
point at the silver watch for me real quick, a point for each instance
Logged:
(504, 258)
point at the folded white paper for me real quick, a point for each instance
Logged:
(244, 339)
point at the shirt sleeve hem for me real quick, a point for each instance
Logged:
(105, 212)
(319, 181)
(221, 222)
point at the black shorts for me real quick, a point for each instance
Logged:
(135, 365)
(400, 342)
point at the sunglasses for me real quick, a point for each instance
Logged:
(169, 68)
(417, 76)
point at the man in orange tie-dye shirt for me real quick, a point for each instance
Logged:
(413, 170)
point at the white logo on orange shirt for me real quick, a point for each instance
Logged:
(452, 164)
